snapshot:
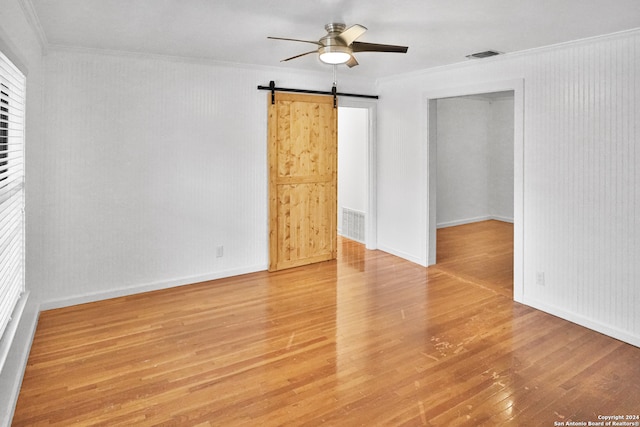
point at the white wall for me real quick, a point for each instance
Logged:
(463, 160)
(154, 163)
(21, 44)
(353, 129)
(474, 159)
(581, 181)
(501, 159)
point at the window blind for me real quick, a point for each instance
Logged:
(12, 113)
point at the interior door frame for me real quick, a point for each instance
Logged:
(371, 222)
(429, 108)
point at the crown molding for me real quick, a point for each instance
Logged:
(168, 58)
(271, 69)
(512, 55)
(33, 20)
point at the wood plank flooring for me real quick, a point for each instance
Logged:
(369, 339)
(481, 253)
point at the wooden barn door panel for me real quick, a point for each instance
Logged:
(302, 180)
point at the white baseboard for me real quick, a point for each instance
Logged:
(583, 321)
(472, 220)
(503, 218)
(401, 254)
(137, 289)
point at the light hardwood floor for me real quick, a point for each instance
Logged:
(369, 339)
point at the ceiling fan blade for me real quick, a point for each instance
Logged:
(352, 62)
(349, 35)
(375, 47)
(295, 40)
(298, 56)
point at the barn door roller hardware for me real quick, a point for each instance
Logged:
(334, 92)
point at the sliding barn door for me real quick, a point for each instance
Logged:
(302, 157)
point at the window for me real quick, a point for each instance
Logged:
(12, 102)
(4, 130)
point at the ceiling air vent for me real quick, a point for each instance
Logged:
(485, 54)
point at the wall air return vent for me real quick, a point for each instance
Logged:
(353, 224)
(485, 54)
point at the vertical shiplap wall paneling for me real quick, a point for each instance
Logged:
(634, 221)
(581, 181)
(633, 218)
(156, 171)
(582, 170)
(587, 231)
(471, 175)
(607, 209)
(583, 146)
(599, 276)
(501, 164)
(155, 162)
(565, 174)
(630, 180)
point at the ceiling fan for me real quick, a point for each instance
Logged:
(339, 45)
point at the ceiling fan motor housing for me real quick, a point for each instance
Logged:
(334, 50)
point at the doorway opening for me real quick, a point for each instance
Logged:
(475, 152)
(475, 186)
(356, 172)
(352, 172)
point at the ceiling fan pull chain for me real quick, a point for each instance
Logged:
(334, 88)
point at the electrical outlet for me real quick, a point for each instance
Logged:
(540, 278)
(219, 251)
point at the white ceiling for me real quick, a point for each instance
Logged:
(438, 32)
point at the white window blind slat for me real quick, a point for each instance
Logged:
(11, 275)
(13, 88)
(12, 109)
(12, 292)
(10, 153)
(10, 212)
(10, 228)
(11, 73)
(12, 248)
(10, 189)
(16, 172)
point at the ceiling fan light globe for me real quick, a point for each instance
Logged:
(335, 55)
(334, 58)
